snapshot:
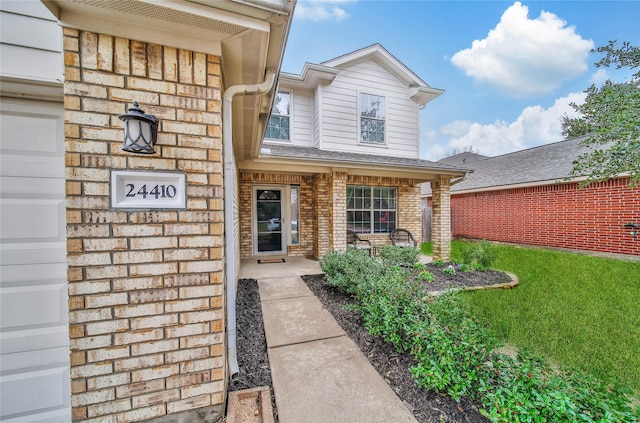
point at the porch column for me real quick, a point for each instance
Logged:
(321, 188)
(338, 204)
(441, 218)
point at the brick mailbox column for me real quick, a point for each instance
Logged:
(146, 297)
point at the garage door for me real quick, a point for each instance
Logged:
(34, 362)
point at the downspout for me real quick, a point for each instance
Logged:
(229, 189)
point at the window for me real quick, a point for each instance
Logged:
(372, 118)
(371, 209)
(278, 126)
(295, 215)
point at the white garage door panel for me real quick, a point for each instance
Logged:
(34, 334)
(33, 305)
(32, 220)
(35, 253)
(42, 167)
(43, 387)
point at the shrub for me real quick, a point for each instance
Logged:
(439, 263)
(392, 255)
(479, 256)
(449, 270)
(349, 269)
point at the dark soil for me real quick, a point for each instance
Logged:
(427, 406)
(251, 342)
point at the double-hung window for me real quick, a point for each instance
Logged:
(280, 119)
(371, 210)
(372, 118)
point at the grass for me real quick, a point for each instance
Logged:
(577, 310)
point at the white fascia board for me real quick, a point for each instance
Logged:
(310, 77)
(423, 95)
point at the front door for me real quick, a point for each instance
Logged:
(269, 234)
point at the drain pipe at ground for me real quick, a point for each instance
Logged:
(229, 189)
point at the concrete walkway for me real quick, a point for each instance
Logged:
(319, 374)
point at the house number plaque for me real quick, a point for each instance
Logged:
(147, 190)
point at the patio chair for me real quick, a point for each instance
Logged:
(354, 241)
(402, 238)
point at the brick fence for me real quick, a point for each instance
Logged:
(561, 215)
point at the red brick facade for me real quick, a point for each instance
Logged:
(561, 215)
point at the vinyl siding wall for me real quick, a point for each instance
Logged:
(340, 126)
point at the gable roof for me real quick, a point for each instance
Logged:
(545, 164)
(314, 160)
(421, 92)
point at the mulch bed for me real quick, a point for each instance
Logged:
(427, 406)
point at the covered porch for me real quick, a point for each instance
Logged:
(294, 202)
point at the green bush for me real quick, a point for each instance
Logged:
(479, 256)
(349, 269)
(392, 255)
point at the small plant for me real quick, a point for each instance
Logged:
(419, 266)
(426, 276)
(465, 268)
(449, 270)
(479, 256)
(439, 262)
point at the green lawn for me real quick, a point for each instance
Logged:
(577, 310)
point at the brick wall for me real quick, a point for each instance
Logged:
(561, 215)
(146, 296)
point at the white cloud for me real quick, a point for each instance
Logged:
(600, 76)
(535, 126)
(321, 10)
(523, 56)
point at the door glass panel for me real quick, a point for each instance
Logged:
(269, 214)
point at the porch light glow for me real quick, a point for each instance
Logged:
(140, 130)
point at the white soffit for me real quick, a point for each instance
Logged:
(183, 25)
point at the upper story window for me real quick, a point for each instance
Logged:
(279, 121)
(372, 118)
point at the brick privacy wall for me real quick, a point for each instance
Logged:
(146, 295)
(306, 223)
(561, 215)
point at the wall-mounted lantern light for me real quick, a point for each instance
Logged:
(140, 130)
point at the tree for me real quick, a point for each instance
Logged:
(610, 119)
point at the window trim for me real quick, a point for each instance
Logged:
(371, 208)
(290, 140)
(359, 116)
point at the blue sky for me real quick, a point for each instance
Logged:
(509, 69)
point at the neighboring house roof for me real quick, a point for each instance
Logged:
(421, 92)
(544, 164)
(374, 165)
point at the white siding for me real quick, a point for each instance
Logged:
(31, 42)
(302, 122)
(339, 109)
